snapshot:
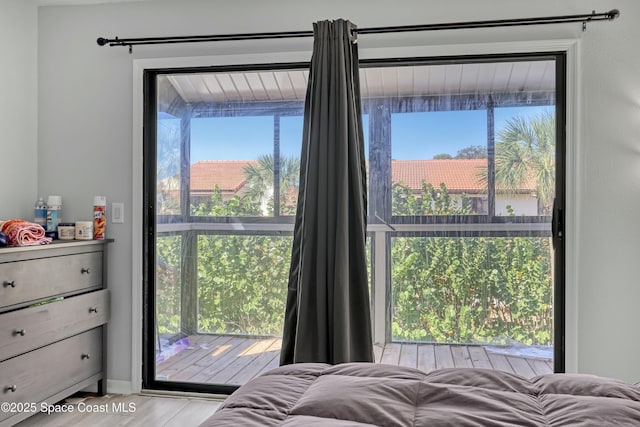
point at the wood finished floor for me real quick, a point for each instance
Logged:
(217, 359)
(142, 411)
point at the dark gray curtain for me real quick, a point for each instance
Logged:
(328, 314)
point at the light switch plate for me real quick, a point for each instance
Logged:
(117, 213)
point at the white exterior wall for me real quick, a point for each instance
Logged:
(521, 204)
(85, 107)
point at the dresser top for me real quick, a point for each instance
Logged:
(57, 247)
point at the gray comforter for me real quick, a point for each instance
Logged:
(363, 394)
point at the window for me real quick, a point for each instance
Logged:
(462, 186)
(464, 163)
(226, 144)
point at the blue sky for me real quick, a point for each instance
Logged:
(414, 135)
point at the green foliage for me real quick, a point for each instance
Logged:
(471, 289)
(168, 254)
(472, 152)
(235, 206)
(242, 283)
(241, 279)
(466, 289)
(444, 289)
(431, 201)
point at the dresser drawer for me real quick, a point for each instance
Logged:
(35, 376)
(34, 279)
(33, 327)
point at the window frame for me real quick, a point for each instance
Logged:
(239, 109)
(380, 187)
(420, 225)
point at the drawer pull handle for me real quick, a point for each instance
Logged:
(20, 332)
(11, 388)
(11, 284)
(85, 271)
(93, 309)
(86, 356)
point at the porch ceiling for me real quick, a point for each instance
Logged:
(397, 81)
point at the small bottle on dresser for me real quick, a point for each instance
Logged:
(40, 213)
(54, 206)
(99, 217)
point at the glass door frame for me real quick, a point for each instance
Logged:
(149, 221)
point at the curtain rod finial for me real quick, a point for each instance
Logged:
(102, 41)
(613, 14)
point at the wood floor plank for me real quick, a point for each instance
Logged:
(240, 362)
(51, 420)
(391, 354)
(153, 414)
(540, 367)
(500, 362)
(128, 410)
(408, 355)
(196, 343)
(123, 410)
(268, 353)
(170, 360)
(479, 357)
(444, 358)
(273, 364)
(188, 357)
(461, 358)
(426, 357)
(218, 360)
(193, 414)
(521, 367)
(216, 349)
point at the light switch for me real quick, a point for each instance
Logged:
(117, 213)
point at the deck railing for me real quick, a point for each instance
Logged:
(187, 275)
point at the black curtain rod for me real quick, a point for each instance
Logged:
(584, 18)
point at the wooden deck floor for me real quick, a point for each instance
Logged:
(218, 359)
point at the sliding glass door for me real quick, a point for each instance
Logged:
(226, 157)
(465, 179)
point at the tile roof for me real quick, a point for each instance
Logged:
(228, 175)
(459, 175)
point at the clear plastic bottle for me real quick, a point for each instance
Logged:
(54, 206)
(40, 212)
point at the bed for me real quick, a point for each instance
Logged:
(365, 394)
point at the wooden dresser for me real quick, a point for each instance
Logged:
(54, 307)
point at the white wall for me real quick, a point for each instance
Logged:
(18, 111)
(522, 204)
(608, 270)
(85, 107)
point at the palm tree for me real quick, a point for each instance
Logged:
(525, 150)
(260, 181)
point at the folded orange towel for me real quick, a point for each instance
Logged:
(23, 233)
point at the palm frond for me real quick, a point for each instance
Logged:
(525, 150)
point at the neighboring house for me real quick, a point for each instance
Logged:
(460, 176)
(206, 175)
(464, 176)
(227, 175)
